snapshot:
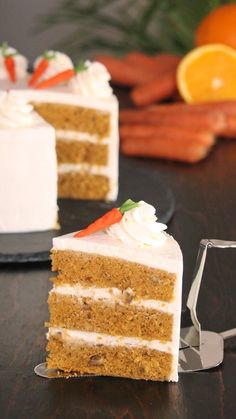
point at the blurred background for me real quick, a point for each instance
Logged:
(82, 28)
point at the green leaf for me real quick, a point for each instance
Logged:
(119, 26)
(127, 205)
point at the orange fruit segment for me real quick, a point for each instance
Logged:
(208, 73)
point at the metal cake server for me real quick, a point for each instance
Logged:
(201, 350)
(209, 355)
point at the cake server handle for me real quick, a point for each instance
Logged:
(192, 335)
(198, 272)
(227, 334)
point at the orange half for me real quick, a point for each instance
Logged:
(208, 73)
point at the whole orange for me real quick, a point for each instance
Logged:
(219, 26)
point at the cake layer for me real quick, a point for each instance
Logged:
(81, 152)
(165, 256)
(71, 117)
(93, 354)
(82, 185)
(86, 269)
(109, 317)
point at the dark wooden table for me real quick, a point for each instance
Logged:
(205, 208)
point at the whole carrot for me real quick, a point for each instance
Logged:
(161, 87)
(41, 67)
(142, 60)
(228, 107)
(166, 62)
(214, 121)
(230, 130)
(185, 151)
(9, 62)
(125, 73)
(111, 217)
(166, 132)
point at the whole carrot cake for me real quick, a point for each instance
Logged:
(28, 168)
(77, 101)
(115, 304)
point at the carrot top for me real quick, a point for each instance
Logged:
(4, 48)
(111, 217)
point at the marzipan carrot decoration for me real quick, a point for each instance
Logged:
(9, 62)
(111, 217)
(61, 77)
(57, 79)
(41, 67)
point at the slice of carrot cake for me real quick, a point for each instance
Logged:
(115, 304)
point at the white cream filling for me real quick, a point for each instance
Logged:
(70, 135)
(111, 296)
(92, 169)
(92, 338)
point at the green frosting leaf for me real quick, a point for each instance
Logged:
(81, 67)
(127, 205)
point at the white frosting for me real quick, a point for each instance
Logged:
(28, 178)
(63, 96)
(21, 64)
(111, 296)
(69, 135)
(92, 169)
(94, 81)
(15, 112)
(167, 257)
(60, 62)
(138, 227)
(91, 338)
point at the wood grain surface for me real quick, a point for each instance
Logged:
(205, 197)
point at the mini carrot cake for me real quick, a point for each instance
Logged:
(115, 304)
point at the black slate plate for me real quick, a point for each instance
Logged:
(135, 183)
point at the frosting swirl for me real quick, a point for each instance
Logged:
(15, 112)
(21, 63)
(93, 81)
(58, 63)
(139, 227)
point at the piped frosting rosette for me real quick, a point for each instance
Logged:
(92, 80)
(15, 112)
(139, 227)
(134, 223)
